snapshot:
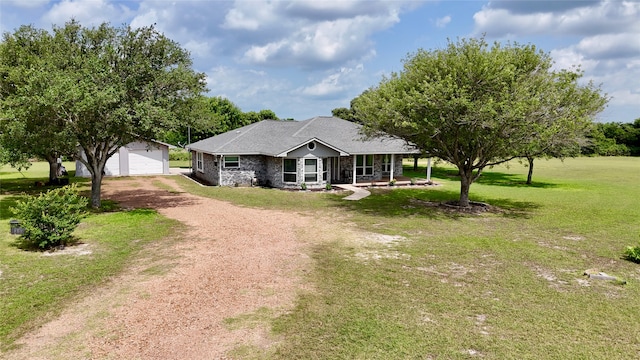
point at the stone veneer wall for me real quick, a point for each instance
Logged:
(210, 173)
(268, 171)
(251, 167)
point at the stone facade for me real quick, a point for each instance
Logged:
(267, 171)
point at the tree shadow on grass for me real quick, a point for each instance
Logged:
(488, 177)
(426, 203)
(6, 203)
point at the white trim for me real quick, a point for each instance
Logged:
(304, 170)
(224, 164)
(364, 166)
(199, 161)
(355, 161)
(295, 172)
(284, 153)
(428, 169)
(393, 165)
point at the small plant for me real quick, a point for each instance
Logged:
(303, 186)
(328, 186)
(632, 253)
(392, 182)
(49, 218)
(413, 181)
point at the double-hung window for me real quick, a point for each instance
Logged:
(231, 162)
(289, 170)
(199, 162)
(386, 163)
(310, 170)
(364, 164)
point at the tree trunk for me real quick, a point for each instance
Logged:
(465, 184)
(53, 169)
(530, 175)
(415, 163)
(96, 184)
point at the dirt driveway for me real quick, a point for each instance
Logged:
(231, 261)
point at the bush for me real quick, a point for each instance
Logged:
(633, 253)
(49, 218)
(179, 155)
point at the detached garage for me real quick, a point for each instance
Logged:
(136, 158)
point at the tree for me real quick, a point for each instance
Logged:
(30, 126)
(101, 88)
(561, 119)
(471, 104)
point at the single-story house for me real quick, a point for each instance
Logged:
(135, 158)
(288, 154)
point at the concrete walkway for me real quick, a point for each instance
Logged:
(358, 193)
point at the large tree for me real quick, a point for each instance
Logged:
(472, 104)
(105, 87)
(29, 125)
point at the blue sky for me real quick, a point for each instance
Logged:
(303, 58)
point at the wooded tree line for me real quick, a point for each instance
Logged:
(216, 115)
(613, 139)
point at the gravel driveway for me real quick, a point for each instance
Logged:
(232, 261)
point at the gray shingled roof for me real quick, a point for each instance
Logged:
(273, 138)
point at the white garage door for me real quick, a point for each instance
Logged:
(112, 167)
(145, 162)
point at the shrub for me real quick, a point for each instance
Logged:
(49, 218)
(179, 155)
(633, 253)
(303, 186)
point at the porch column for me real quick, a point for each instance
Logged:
(220, 171)
(354, 168)
(428, 169)
(393, 164)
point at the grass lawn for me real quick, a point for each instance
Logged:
(496, 285)
(35, 287)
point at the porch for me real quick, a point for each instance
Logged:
(400, 181)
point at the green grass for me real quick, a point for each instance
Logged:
(501, 286)
(34, 288)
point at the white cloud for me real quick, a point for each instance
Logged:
(87, 12)
(601, 17)
(307, 33)
(335, 84)
(444, 21)
(26, 3)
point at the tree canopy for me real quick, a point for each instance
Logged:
(476, 105)
(95, 88)
(216, 115)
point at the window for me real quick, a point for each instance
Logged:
(364, 164)
(311, 146)
(231, 161)
(310, 170)
(325, 169)
(289, 170)
(199, 162)
(386, 163)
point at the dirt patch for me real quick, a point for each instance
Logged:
(232, 261)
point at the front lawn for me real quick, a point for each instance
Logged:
(507, 284)
(36, 286)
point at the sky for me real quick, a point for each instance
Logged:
(304, 58)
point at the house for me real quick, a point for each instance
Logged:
(288, 154)
(136, 158)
